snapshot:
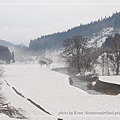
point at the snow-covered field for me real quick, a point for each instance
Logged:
(51, 90)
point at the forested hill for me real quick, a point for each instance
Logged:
(6, 43)
(55, 41)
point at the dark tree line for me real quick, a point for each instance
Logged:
(6, 55)
(55, 40)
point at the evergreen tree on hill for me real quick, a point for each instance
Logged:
(5, 54)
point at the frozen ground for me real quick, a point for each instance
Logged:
(51, 90)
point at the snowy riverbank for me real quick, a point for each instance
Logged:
(52, 91)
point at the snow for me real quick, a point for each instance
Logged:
(110, 79)
(52, 91)
(98, 39)
(4, 117)
(16, 101)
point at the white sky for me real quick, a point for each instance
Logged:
(23, 20)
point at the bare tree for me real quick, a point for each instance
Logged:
(42, 62)
(75, 52)
(91, 59)
(114, 54)
(103, 64)
(46, 62)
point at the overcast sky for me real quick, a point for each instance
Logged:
(23, 20)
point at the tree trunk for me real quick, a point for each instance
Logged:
(117, 69)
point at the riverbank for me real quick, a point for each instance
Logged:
(101, 85)
(77, 81)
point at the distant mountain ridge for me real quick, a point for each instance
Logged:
(55, 41)
(6, 43)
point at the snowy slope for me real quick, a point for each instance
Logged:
(4, 117)
(29, 110)
(99, 38)
(52, 91)
(110, 79)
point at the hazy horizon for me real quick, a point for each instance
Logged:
(23, 21)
